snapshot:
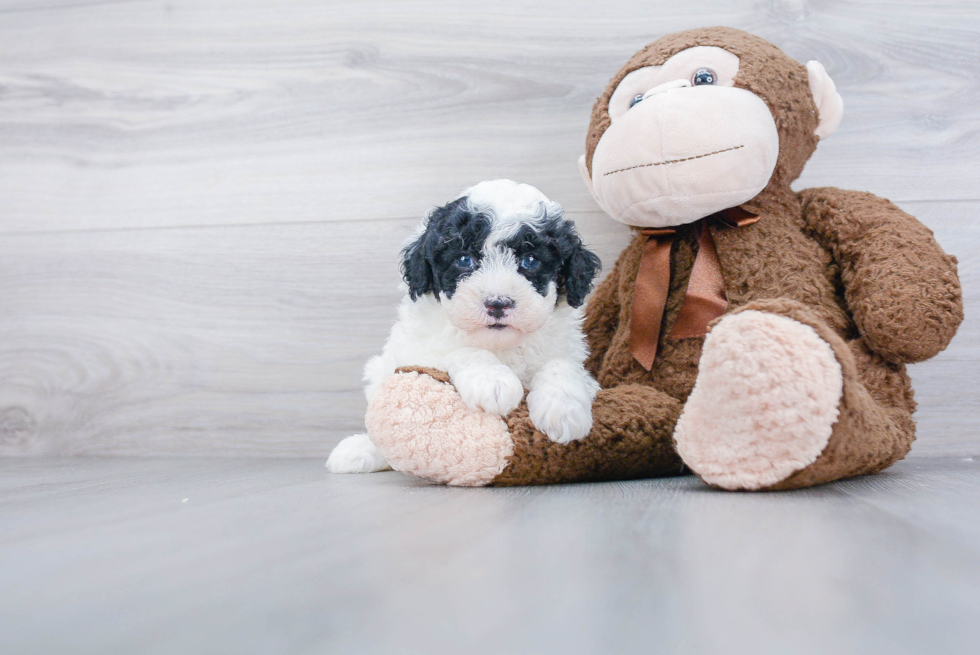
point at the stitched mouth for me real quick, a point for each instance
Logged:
(673, 161)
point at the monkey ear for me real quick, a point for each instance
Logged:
(583, 169)
(830, 106)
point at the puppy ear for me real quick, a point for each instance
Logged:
(416, 270)
(579, 268)
(830, 106)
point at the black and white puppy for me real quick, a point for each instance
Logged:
(496, 281)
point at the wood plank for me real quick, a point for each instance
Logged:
(228, 340)
(143, 114)
(231, 555)
(946, 386)
(250, 340)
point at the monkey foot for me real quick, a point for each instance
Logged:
(764, 404)
(423, 427)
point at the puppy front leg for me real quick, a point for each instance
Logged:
(560, 401)
(483, 382)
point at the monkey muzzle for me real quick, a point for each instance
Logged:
(684, 153)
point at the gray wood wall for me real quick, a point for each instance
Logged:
(201, 202)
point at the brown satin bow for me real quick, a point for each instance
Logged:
(705, 299)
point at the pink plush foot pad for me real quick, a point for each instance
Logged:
(423, 427)
(764, 404)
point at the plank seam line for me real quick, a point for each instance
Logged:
(208, 226)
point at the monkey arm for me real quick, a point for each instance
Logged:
(902, 289)
(602, 319)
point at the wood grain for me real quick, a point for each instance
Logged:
(228, 340)
(153, 113)
(273, 556)
(201, 203)
(250, 339)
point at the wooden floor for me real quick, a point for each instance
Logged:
(272, 556)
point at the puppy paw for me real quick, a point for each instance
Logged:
(356, 454)
(494, 389)
(560, 401)
(562, 417)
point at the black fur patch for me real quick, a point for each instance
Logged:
(562, 257)
(429, 265)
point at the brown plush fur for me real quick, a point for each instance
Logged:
(868, 278)
(639, 446)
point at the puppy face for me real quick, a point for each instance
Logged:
(499, 258)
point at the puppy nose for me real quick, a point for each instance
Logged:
(497, 307)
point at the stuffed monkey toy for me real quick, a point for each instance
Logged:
(753, 335)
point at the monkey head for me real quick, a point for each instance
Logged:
(703, 120)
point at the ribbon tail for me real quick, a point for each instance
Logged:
(649, 300)
(705, 299)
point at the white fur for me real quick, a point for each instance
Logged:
(560, 400)
(548, 360)
(510, 205)
(542, 348)
(356, 454)
(497, 276)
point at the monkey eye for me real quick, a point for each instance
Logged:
(464, 261)
(637, 98)
(703, 76)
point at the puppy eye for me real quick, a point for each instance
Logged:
(464, 261)
(703, 76)
(529, 263)
(637, 98)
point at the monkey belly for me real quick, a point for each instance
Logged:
(674, 370)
